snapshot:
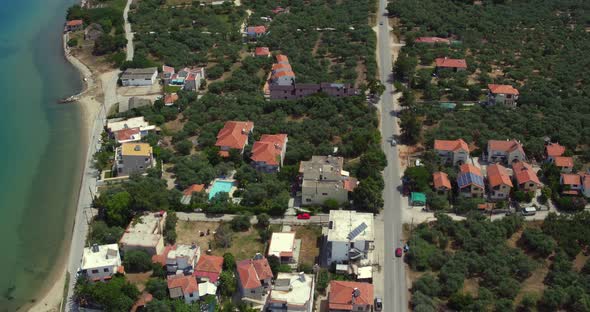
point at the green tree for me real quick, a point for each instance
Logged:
(102, 234)
(241, 223)
(229, 262)
(227, 283)
(158, 288)
(136, 261)
(367, 195)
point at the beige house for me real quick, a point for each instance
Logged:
(455, 152)
(145, 234)
(505, 151)
(133, 158)
(323, 179)
(470, 181)
(526, 177)
(499, 182)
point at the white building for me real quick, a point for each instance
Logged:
(145, 234)
(118, 124)
(349, 236)
(282, 245)
(183, 257)
(139, 77)
(292, 292)
(99, 263)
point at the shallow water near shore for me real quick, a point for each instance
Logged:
(42, 149)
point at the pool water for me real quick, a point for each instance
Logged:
(220, 186)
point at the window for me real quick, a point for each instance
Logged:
(94, 271)
(325, 194)
(106, 270)
(253, 291)
(191, 295)
(308, 200)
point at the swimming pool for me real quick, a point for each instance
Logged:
(220, 186)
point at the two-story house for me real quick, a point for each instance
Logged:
(133, 158)
(101, 262)
(291, 292)
(470, 181)
(255, 31)
(565, 164)
(506, 152)
(233, 135)
(269, 152)
(208, 268)
(526, 177)
(323, 178)
(455, 152)
(441, 182)
(553, 150)
(350, 296)
(499, 182)
(188, 79)
(255, 278)
(571, 183)
(182, 258)
(349, 236)
(502, 95)
(145, 233)
(183, 287)
(74, 25)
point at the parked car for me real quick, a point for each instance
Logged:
(393, 142)
(378, 304)
(303, 216)
(528, 211)
(398, 252)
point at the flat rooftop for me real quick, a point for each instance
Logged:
(301, 286)
(100, 256)
(135, 73)
(136, 122)
(323, 168)
(136, 149)
(281, 244)
(347, 225)
(147, 231)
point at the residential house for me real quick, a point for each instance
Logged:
(455, 152)
(255, 31)
(182, 258)
(565, 164)
(208, 268)
(233, 135)
(294, 91)
(133, 158)
(117, 124)
(279, 10)
(188, 79)
(324, 178)
(101, 262)
(185, 287)
(572, 183)
(291, 292)
(502, 94)
(262, 52)
(349, 236)
(139, 76)
(187, 194)
(553, 150)
(441, 181)
(282, 59)
(432, 40)
(128, 135)
(74, 25)
(350, 296)
(282, 246)
(506, 152)
(255, 277)
(449, 63)
(470, 181)
(145, 233)
(170, 99)
(269, 152)
(526, 177)
(499, 182)
(282, 74)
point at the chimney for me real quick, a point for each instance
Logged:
(355, 294)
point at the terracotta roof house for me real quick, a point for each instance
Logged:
(188, 193)
(74, 25)
(572, 183)
(186, 287)
(283, 78)
(170, 99)
(262, 52)
(441, 181)
(455, 152)
(470, 181)
(454, 64)
(526, 177)
(565, 164)
(255, 277)
(208, 268)
(553, 150)
(499, 182)
(127, 135)
(281, 58)
(255, 31)
(280, 67)
(350, 296)
(269, 152)
(502, 94)
(432, 40)
(506, 152)
(233, 135)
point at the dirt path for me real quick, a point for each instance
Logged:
(128, 33)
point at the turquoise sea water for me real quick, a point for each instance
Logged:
(220, 186)
(41, 148)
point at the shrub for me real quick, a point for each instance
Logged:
(72, 42)
(240, 223)
(136, 261)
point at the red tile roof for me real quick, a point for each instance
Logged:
(431, 40)
(262, 268)
(247, 274)
(168, 69)
(268, 149)
(281, 58)
(505, 146)
(340, 296)
(209, 267)
(234, 134)
(188, 284)
(498, 175)
(256, 29)
(170, 98)
(554, 149)
(502, 89)
(451, 145)
(77, 22)
(278, 10)
(350, 184)
(469, 168)
(571, 179)
(286, 73)
(441, 179)
(161, 258)
(450, 63)
(278, 66)
(262, 51)
(195, 188)
(561, 161)
(127, 134)
(524, 173)
(144, 299)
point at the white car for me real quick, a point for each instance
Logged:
(393, 142)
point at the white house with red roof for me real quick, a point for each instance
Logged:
(255, 277)
(127, 135)
(208, 268)
(233, 135)
(74, 25)
(183, 287)
(350, 296)
(187, 194)
(526, 177)
(269, 152)
(565, 164)
(455, 152)
(553, 150)
(441, 182)
(502, 94)
(572, 183)
(450, 63)
(507, 151)
(499, 182)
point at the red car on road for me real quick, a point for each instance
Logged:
(303, 216)
(398, 252)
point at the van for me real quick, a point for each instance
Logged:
(528, 211)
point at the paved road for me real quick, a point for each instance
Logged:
(128, 33)
(394, 289)
(290, 220)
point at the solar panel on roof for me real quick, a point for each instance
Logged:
(467, 178)
(358, 230)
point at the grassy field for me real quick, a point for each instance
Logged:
(310, 243)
